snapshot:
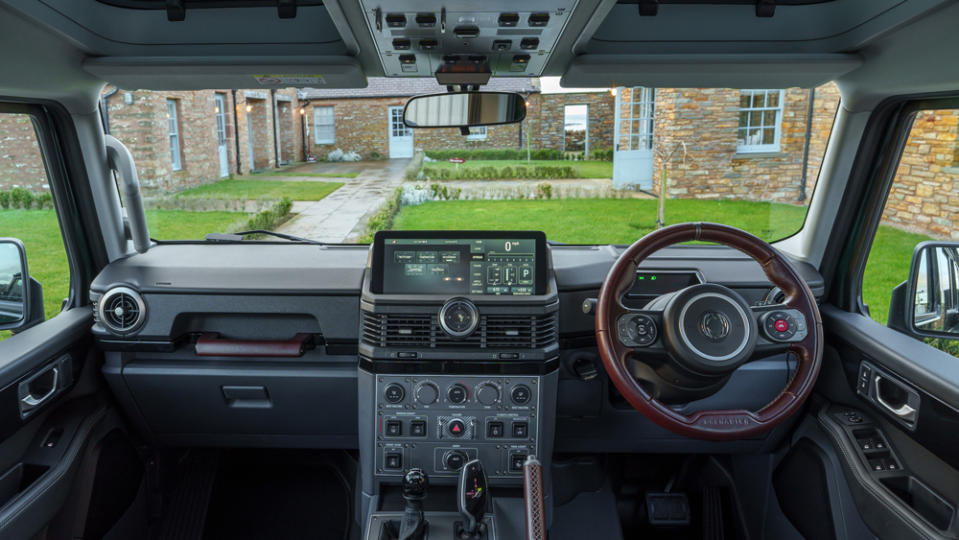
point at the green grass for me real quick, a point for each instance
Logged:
(584, 169)
(600, 221)
(262, 189)
(887, 267)
(311, 174)
(183, 225)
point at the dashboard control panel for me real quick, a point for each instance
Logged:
(439, 422)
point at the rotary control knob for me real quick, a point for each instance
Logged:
(487, 394)
(427, 393)
(455, 460)
(457, 393)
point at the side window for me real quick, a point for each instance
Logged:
(911, 287)
(27, 214)
(760, 120)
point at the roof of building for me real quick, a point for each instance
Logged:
(412, 86)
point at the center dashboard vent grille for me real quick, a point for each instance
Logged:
(493, 332)
(121, 310)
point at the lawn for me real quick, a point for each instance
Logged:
(353, 174)
(262, 189)
(597, 221)
(591, 221)
(584, 169)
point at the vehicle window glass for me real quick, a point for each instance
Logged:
(585, 166)
(922, 205)
(27, 213)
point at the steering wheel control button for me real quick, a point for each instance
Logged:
(487, 394)
(521, 394)
(427, 393)
(394, 393)
(394, 428)
(455, 460)
(457, 393)
(494, 430)
(459, 317)
(418, 428)
(456, 427)
(637, 330)
(780, 326)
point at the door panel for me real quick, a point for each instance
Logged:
(633, 137)
(401, 137)
(905, 472)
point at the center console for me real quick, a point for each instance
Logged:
(458, 356)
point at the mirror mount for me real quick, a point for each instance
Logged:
(464, 72)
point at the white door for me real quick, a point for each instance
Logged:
(221, 133)
(401, 137)
(633, 134)
(249, 137)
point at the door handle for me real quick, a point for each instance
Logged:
(29, 399)
(904, 411)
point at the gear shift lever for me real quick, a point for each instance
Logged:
(472, 498)
(413, 526)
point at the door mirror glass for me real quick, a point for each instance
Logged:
(464, 109)
(934, 290)
(13, 284)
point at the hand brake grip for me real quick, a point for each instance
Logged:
(533, 496)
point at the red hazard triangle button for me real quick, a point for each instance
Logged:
(456, 427)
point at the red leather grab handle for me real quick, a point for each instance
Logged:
(214, 345)
(533, 496)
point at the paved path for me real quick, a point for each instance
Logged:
(341, 216)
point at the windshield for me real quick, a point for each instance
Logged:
(590, 166)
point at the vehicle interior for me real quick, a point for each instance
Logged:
(696, 381)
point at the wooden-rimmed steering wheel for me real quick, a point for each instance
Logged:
(688, 342)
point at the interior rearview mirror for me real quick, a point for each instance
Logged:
(14, 289)
(927, 305)
(464, 109)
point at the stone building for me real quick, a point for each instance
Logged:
(180, 139)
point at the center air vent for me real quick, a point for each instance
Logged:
(121, 310)
(493, 332)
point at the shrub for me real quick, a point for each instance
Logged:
(44, 200)
(544, 190)
(383, 219)
(17, 195)
(4, 199)
(374, 155)
(267, 219)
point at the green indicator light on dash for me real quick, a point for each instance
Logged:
(653, 278)
(642, 278)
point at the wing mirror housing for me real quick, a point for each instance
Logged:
(927, 304)
(464, 110)
(21, 297)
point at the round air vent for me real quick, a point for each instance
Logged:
(121, 310)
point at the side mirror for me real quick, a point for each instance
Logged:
(21, 298)
(464, 109)
(927, 305)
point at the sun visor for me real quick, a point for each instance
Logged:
(198, 73)
(707, 71)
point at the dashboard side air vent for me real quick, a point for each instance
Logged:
(121, 310)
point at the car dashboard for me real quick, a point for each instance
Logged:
(296, 345)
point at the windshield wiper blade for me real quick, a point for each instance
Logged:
(238, 236)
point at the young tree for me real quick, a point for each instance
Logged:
(666, 151)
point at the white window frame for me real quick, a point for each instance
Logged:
(478, 133)
(325, 132)
(758, 114)
(174, 132)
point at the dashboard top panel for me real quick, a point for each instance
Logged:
(284, 268)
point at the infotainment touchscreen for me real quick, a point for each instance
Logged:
(459, 262)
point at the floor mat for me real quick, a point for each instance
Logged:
(184, 515)
(278, 495)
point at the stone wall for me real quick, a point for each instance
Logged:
(546, 116)
(706, 120)
(925, 192)
(21, 164)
